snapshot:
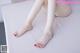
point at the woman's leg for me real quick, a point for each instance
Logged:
(47, 34)
(28, 23)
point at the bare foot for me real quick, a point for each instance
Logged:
(23, 30)
(39, 44)
(43, 40)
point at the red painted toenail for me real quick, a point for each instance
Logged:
(35, 45)
(14, 35)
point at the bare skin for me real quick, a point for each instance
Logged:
(53, 11)
(32, 15)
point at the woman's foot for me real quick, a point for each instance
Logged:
(44, 40)
(39, 44)
(23, 30)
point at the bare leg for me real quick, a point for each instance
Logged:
(47, 35)
(28, 24)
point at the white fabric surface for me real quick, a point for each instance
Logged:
(66, 36)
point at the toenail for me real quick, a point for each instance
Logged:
(35, 45)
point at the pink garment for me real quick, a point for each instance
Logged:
(62, 1)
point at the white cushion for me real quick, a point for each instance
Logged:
(66, 37)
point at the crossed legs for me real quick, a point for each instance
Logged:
(47, 34)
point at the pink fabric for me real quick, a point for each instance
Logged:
(61, 1)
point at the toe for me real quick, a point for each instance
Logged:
(36, 45)
(39, 45)
(15, 33)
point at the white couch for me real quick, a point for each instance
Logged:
(67, 32)
(5, 2)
